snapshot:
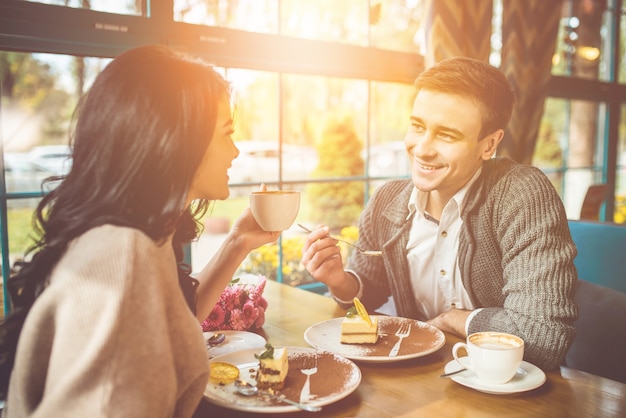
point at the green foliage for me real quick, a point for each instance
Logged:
(339, 151)
(29, 87)
(21, 232)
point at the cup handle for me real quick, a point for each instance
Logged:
(455, 349)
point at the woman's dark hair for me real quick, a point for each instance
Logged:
(138, 137)
(476, 80)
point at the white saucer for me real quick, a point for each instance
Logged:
(528, 377)
(234, 341)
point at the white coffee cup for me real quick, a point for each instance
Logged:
(275, 210)
(493, 356)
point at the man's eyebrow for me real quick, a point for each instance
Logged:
(438, 128)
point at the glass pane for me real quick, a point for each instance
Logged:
(344, 21)
(583, 41)
(620, 186)
(395, 24)
(324, 125)
(568, 149)
(391, 106)
(40, 92)
(250, 15)
(255, 96)
(126, 7)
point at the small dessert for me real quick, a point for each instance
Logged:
(358, 327)
(273, 368)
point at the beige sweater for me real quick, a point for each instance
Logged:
(111, 336)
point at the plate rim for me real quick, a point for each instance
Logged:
(379, 359)
(453, 365)
(227, 333)
(283, 408)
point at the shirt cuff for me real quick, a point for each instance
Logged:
(469, 319)
(359, 292)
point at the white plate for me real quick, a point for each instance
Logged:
(234, 341)
(336, 378)
(528, 377)
(424, 339)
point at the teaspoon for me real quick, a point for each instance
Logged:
(373, 253)
(216, 339)
(247, 389)
(452, 373)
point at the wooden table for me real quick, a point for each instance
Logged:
(413, 387)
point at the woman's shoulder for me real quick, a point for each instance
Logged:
(113, 250)
(115, 239)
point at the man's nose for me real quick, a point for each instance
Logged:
(419, 144)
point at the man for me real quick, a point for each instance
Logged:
(471, 243)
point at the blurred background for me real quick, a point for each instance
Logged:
(323, 93)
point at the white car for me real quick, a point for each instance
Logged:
(389, 159)
(258, 162)
(21, 174)
(54, 158)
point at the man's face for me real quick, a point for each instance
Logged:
(443, 142)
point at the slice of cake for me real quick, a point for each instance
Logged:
(273, 368)
(358, 327)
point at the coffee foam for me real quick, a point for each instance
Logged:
(495, 341)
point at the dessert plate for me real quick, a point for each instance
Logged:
(234, 341)
(528, 377)
(423, 339)
(336, 378)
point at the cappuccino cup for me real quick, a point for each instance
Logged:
(493, 356)
(275, 210)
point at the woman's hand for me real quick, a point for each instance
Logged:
(247, 233)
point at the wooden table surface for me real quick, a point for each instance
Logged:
(413, 387)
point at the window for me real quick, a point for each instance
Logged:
(307, 75)
(567, 149)
(116, 6)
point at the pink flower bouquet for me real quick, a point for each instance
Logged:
(241, 307)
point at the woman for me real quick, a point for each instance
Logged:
(105, 309)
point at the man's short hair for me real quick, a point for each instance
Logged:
(475, 80)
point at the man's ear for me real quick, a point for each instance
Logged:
(491, 143)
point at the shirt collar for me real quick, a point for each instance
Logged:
(418, 199)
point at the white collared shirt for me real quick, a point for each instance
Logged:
(432, 255)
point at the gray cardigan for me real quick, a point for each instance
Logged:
(515, 257)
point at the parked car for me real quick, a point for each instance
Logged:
(54, 158)
(21, 174)
(258, 162)
(389, 159)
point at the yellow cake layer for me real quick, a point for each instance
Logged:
(355, 330)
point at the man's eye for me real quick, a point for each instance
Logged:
(445, 136)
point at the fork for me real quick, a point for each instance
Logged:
(309, 368)
(402, 333)
(373, 253)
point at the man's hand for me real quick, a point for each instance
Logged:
(452, 321)
(322, 258)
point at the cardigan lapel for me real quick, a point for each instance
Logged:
(396, 238)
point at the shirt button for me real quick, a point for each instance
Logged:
(444, 234)
(442, 272)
